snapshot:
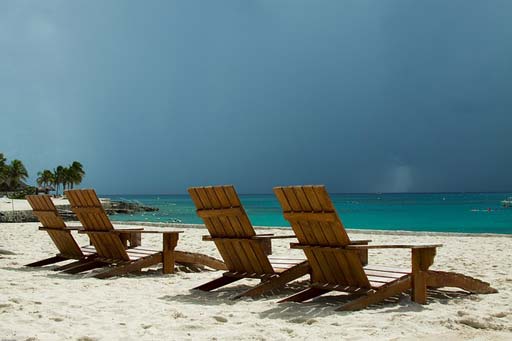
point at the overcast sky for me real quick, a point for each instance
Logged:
(363, 96)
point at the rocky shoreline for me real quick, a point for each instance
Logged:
(110, 206)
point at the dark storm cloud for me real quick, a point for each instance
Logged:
(359, 95)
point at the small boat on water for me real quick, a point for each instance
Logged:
(507, 202)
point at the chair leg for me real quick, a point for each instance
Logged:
(70, 265)
(47, 261)
(186, 258)
(75, 263)
(277, 281)
(130, 266)
(168, 258)
(374, 296)
(84, 266)
(438, 279)
(217, 283)
(305, 295)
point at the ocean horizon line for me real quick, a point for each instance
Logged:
(333, 193)
(448, 211)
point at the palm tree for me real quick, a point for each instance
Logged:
(67, 176)
(58, 178)
(77, 173)
(2, 160)
(45, 178)
(16, 173)
(3, 171)
(39, 179)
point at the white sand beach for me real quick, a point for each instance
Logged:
(7, 204)
(40, 304)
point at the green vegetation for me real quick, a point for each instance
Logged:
(68, 177)
(14, 174)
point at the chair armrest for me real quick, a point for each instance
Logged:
(366, 247)
(129, 232)
(394, 246)
(360, 241)
(271, 236)
(74, 227)
(42, 228)
(137, 230)
(258, 236)
(148, 231)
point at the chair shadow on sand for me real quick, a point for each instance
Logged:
(290, 311)
(319, 307)
(326, 305)
(53, 272)
(227, 295)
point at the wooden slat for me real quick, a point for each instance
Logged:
(317, 272)
(325, 226)
(394, 246)
(314, 226)
(227, 212)
(254, 253)
(230, 228)
(321, 235)
(214, 225)
(384, 273)
(279, 262)
(86, 210)
(336, 263)
(244, 225)
(91, 214)
(234, 257)
(381, 279)
(327, 206)
(131, 266)
(197, 258)
(241, 253)
(310, 216)
(77, 199)
(225, 255)
(230, 223)
(356, 268)
(115, 247)
(387, 269)
(384, 291)
(343, 267)
(328, 265)
(283, 200)
(338, 287)
(47, 214)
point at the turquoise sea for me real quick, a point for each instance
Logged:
(445, 212)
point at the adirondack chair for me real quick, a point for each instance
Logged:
(46, 212)
(335, 264)
(111, 249)
(243, 251)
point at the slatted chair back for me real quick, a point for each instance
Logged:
(231, 230)
(46, 212)
(320, 232)
(87, 207)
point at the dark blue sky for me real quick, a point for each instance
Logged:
(363, 96)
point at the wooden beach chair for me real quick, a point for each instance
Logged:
(110, 247)
(243, 251)
(335, 264)
(54, 225)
